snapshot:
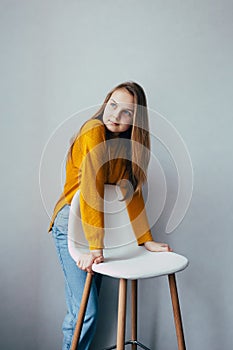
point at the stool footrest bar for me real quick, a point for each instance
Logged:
(129, 342)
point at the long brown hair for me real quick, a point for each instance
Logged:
(140, 137)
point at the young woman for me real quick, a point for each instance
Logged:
(112, 147)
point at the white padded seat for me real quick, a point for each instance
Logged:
(138, 263)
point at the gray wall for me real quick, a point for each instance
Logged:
(58, 57)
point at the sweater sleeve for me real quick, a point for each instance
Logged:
(92, 185)
(138, 217)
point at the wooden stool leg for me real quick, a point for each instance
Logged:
(82, 310)
(121, 314)
(134, 292)
(176, 312)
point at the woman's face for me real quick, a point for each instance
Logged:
(119, 111)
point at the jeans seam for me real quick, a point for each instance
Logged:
(63, 268)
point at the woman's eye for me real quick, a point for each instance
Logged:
(127, 113)
(112, 104)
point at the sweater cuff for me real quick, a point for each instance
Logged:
(146, 237)
(92, 247)
(96, 242)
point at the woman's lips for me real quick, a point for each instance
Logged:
(113, 123)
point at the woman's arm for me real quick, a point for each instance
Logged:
(90, 147)
(92, 185)
(138, 217)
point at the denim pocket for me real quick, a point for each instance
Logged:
(64, 212)
(60, 226)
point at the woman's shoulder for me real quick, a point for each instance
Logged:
(92, 132)
(92, 126)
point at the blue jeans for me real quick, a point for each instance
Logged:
(74, 284)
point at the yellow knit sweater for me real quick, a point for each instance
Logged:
(88, 168)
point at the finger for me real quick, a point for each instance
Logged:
(89, 269)
(165, 247)
(99, 260)
(82, 266)
(169, 249)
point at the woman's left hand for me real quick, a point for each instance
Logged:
(157, 247)
(86, 260)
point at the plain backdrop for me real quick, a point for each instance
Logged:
(60, 57)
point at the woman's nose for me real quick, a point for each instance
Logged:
(116, 115)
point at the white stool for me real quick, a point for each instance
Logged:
(125, 262)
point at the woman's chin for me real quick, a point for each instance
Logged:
(113, 128)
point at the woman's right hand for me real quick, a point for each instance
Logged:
(86, 260)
